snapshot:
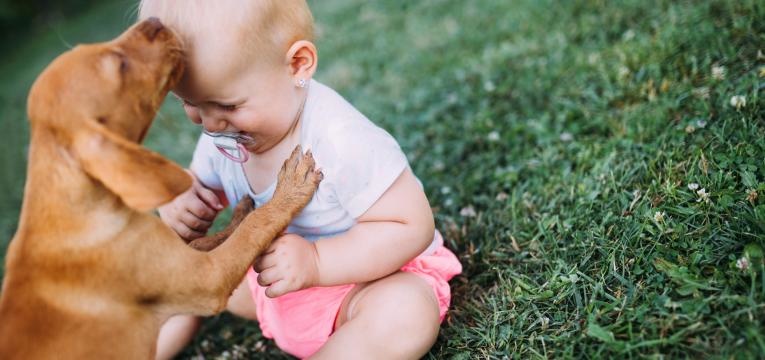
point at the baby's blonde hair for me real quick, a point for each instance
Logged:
(260, 28)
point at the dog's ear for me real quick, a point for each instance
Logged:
(141, 178)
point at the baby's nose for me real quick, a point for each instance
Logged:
(214, 124)
(214, 127)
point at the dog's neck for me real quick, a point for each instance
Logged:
(52, 171)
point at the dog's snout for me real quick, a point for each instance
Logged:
(151, 27)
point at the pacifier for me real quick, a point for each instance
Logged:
(230, 145)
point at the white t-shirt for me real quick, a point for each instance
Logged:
(359, 161)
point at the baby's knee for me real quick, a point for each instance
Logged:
(417, 307)
(175, 334)
(410, 310)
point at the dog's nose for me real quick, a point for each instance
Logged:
(151, 27)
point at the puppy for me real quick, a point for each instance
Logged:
(90, 273)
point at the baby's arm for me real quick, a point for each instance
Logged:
(397, 228)
(191, 213)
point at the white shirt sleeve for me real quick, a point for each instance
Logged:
(363, 162)
(203, 163)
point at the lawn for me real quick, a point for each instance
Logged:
(598, 166)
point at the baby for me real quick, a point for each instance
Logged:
(361, 272)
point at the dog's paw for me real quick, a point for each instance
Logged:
(244, 207)
(298, 179)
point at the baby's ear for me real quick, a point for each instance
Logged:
(303, 59)
(141, 178)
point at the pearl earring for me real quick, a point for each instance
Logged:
(301, 83)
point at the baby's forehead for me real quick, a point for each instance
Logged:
(217, 74)
(221, 54)
(213, 52)
(204, 78)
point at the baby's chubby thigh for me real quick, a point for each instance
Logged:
(393, 317)
(241, 303)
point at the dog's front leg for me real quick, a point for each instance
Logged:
(210, 277)
(207, 243)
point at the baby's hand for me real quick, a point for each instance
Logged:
(290, 264)
(190, 214)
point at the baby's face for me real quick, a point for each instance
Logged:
(259, 100)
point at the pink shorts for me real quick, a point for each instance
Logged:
(301, 322)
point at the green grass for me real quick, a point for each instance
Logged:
(548, 136)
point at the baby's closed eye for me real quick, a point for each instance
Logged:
(219, 106)
(226, 107)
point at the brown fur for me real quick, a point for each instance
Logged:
(90, 274)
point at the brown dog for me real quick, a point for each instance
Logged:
(90, 274)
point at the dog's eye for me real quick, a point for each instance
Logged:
(124, 66)
(114, 64)
(121, 60)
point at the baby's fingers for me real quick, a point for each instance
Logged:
(279, 288)
(194, 222)
(185, 232)
(268, 277)
(208, 197)
(201, 210)
(264, 262)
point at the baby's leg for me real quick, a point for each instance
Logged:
(178, 331)
(395, 317)
(241, 303)
(175, 334)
